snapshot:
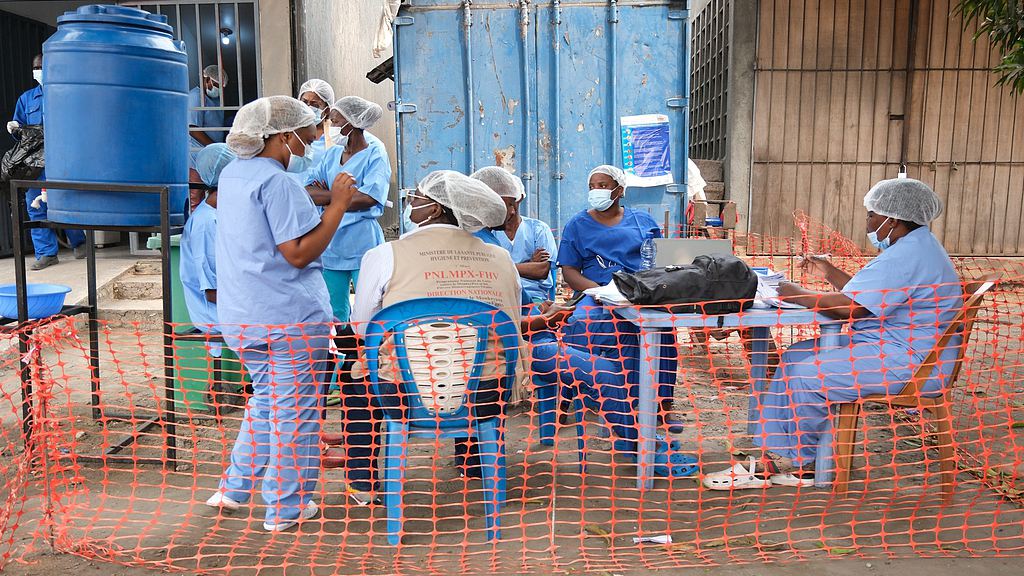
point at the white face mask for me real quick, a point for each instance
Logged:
(38, 76)
(600, 199)
(336, 136)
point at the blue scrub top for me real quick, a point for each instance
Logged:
(198, 269)
(205, 118)
(493, 238)
(531, 236)
(912, 290)
(29, 109)
(599, 251)
(258, 208)
(359, 231)
(28, 112)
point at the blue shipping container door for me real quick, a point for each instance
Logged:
(539, 87)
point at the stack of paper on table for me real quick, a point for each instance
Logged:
(607, 294)
(768, 289)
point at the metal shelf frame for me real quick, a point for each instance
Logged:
(164, 418)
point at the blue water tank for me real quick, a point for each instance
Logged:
(115, 89)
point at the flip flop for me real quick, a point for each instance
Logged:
(667, 465)
(333, 397)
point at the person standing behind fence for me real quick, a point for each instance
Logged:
(362, 155)
(208, 94)
(29, 111)
(273, 307)
(318, 95)
(198, 268)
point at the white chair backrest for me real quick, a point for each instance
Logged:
(441, 358)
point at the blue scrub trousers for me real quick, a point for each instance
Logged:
(279, 441)
(600, 357)
(44, 240)
(794, 409)
(339, 285)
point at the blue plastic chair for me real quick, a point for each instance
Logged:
(422, 421)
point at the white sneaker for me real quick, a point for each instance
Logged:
(219, 500)
(308, 513)
(737, 478)
(790, 479)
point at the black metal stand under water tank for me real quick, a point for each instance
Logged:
(165, 418)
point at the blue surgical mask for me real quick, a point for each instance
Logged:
(299, 164)
(884, 242)
(407, 224)
(600, 199)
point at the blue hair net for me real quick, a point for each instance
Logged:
(211, 160)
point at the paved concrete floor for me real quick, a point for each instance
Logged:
(110, 263)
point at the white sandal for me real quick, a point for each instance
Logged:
(736, 478)
(790, 479)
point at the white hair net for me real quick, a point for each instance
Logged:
(211, 160)
(616, 174)
(474, 204)
(501, 181)
(319, 87)
(265, 117)
(359, 112)
(904, 199)
(216, 73)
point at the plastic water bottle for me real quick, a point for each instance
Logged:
(648, 252)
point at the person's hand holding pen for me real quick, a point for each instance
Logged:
(821, 266)
(818, 265)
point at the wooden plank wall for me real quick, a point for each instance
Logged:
(831, 100)
(966, 137)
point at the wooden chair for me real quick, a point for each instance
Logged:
(911, 397)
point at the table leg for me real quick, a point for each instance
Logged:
(830, 335)
(760, 336)
(647, 408)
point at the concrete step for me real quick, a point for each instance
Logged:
(146, 313)
(131, 287)
(710, 170)
(147, 267)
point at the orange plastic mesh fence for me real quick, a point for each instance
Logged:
(101, 484)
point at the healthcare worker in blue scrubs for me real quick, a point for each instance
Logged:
(205, 126)
(198, 268)
(595, 244)
(361, 154)
(29, 112)
(318, 95)
(273, 307)
(900, 305)
(529, 241)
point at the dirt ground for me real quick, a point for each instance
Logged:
(41, 564)
(555, 520)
